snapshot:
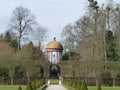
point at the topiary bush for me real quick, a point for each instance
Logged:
(42, 82)
(29, 86)
(99, 87)
(37, 84)
(33, 86)
(71, 82)
(74, 84)
(84, 86)
(78, 85)
(19, 88)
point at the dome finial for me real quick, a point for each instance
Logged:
(54, 38)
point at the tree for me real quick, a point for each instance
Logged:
(22, 22)
(65, 56)
(14, 44)
(94, 6)
(110, 46)
(1, 38)
(7, 37)
(19, 71)
(11, 39)
(116, 27)
(4, 73)
(38, 54)
(77, 33)
(68, 42)
(28, 56)
(39, 34)
(25, 56)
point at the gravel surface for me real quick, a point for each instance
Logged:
(55, 87)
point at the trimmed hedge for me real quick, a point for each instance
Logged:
(76, 84)
(35, 85)
(19, 88)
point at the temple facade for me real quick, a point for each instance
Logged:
(54, 52)
(53, 55)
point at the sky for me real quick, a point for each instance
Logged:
(51, 14)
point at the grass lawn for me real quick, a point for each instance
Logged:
(11, 87)
(103, 88)
(54, 81)
(95, 88)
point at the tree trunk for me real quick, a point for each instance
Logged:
(113, 81)
(39, 45)
(97, 82)
(19, 41)
(28, 78)
(11, 78)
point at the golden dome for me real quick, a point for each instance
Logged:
(54, 45)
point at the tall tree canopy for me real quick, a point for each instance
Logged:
(90, 35)
(22, 23)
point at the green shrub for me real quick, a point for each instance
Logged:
(37, 84)
(19, 88)
(74, 84)
(42, 82)
(33, 86)
(29, 86)
(78, 85)
(99, 87)
(67, 82)
(84, 86)
(71, 82)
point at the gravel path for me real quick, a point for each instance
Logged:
(55, 87)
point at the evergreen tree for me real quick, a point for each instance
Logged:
(38, 54)
(19, 71)
(1, 38)
(99, 87)
(29, 86)
(65, 56)
(78, 85)
(74, 84)
(26, 52)
(14, 44)
(110, 46)
(33, 86)
(7, 37)
(19, 88)
(37, 84)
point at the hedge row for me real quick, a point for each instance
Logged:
(78, 85)
(35, 85)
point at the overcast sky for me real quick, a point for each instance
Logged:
(52, 14)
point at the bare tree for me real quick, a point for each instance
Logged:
(76, 33)
(115, 25)
(40, 34)
(21, 22)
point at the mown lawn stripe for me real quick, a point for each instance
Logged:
(11, 87)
